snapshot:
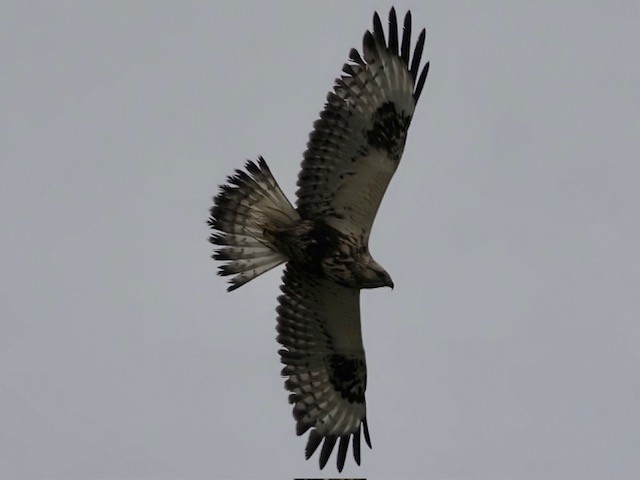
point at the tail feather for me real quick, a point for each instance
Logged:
(236, 240)
(235, 253)
(244, 265)
(245, 206)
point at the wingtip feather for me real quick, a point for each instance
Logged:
(356, 446)
(393, 31)
(342, 451)
(367, 438)
(327, 448)
(312, 443)
(378, 31)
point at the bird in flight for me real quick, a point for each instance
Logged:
(352, 153)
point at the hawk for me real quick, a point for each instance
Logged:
(353, 151)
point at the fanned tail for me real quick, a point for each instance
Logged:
(247, 204)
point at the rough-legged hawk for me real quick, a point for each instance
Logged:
(352, 153)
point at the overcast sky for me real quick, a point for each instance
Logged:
(510, 347)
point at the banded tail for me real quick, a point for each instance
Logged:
(247, 204)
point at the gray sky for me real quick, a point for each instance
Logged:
(510, 346)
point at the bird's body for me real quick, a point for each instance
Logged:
(353, 152)
(319, 248)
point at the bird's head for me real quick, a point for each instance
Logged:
(374, 276)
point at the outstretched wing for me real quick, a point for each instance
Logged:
(357, 143)
(319, 326)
